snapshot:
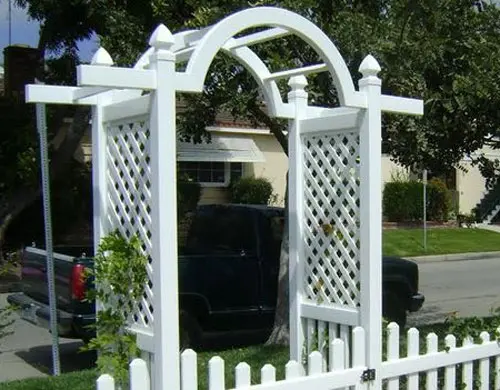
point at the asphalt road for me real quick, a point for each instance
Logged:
(470, 287)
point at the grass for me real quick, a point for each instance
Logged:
(409, 242)
(78, 380)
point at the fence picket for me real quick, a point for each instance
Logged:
(484, 365)
(105, 382)
(393, 351)
(314, 363)
(216, 374)
(293, 370)
(358, 348)
(413, 350)
(242, 375)
(450, 371)
(189, 370)
(337, 355)
(268, 374)
(467, 373)
(432, 375)
(139, 375)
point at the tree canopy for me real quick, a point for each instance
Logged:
(445, 52)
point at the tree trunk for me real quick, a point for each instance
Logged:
(280, 334)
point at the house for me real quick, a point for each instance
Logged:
(238, 149)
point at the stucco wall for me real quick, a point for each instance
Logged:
(471, 187)
(275, 166)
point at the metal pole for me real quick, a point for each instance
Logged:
(10, 22)
(44, 160)
(424, 181)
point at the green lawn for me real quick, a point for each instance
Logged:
(409, 242)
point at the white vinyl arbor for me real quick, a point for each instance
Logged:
(335, 179)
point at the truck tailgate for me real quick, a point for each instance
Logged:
(35, 280)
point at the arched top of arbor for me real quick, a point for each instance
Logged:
(198, 48)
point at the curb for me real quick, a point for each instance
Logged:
(455, 257)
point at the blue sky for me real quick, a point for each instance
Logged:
(25, 31)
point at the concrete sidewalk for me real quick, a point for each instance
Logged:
(455, 257)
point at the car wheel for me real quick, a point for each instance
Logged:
(189, 331)
(394, 309)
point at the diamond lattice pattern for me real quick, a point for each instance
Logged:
(129, 195)
(331, 218)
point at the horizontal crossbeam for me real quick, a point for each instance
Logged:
(56, 94)
(330, 313)
(114, 77)
(258, 37)
(127, 109)
(402, 105)
(296, 72)
(340, 118)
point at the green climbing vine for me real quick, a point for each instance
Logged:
(119, 276)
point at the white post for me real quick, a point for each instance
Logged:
(99, 165)
(371, 214)
(297, 97)
(164, 214)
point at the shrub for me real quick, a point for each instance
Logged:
(403, 201)
(251, 190)
(438, 200)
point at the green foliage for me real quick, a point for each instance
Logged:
(119, 276)
(403, 201)
(467, 220)
(251, 190)
(18, 146)
(438, 200)
(463, 327)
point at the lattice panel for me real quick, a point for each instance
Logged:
(129, 194)
(331, 218)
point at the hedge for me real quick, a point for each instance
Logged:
(251, 190)
(403, 201)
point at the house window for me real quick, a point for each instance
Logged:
(211, 173)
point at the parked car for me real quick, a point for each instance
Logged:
(228, 272)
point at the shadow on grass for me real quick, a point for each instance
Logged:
(71, 359)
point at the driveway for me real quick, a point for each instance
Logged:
(27, 352)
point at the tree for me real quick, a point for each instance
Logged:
(443, 51)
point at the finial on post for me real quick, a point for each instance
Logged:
(297, 82)
(369, 66)
(161, 38)
(101, 57)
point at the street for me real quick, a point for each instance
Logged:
(469, 287)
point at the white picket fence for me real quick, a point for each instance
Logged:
(444, 365)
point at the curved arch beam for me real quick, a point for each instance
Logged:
(256, 67)
(215, 39)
